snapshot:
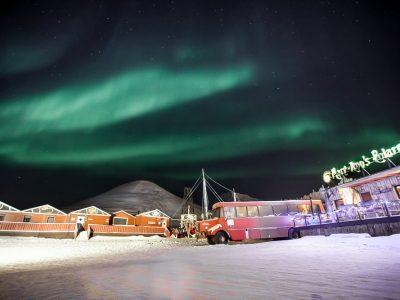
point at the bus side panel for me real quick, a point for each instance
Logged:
(237, 234)
(245, 228)
(274, 226)
(238, 230)
(253, 225)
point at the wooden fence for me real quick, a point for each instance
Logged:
(54, 230)
(126, 230)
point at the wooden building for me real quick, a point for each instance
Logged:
(381, 186)
(89, 215)
(44, 214)
(153, 218)
(9, 213)
(123, 218)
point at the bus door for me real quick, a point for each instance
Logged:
(234, 225)
(253, 223)
(246, 227)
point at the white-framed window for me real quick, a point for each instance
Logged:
(120, 221)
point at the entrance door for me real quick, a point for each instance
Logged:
(80, 220)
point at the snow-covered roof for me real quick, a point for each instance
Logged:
(4, 206)
(91, 210)
(45, 209)
(154, 213)
(373, 177)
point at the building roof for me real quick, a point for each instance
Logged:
(4, 206)
(91, 210)
(123, 211)
(45, 209)
(154, 213)
(260, 203)
(374, 177)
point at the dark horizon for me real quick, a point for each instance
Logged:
(265, 96)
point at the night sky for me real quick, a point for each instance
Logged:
(265, 95)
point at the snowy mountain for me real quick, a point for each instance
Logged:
(134, 197)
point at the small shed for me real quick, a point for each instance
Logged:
(9, 213)
(153, 218)
(123, 218)
(89, 215)
(44, 214)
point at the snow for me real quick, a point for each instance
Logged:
(314, 267)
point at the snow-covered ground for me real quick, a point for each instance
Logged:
(315, 267)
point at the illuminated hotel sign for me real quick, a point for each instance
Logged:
(381, 156)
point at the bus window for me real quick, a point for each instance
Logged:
(229, 212)
(305, 208)
(293, 209)
(280, 210)
(252, 211)
(216, 213)
(265, 210)
(241, 211)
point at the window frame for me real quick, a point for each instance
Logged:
(256, 207)
(245, 209)
(121, 218)
(270, 210)
(397, 191)
(28, 218)
(232, 209)
(51, 217)
(285, 213)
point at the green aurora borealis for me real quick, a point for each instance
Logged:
(111, 93)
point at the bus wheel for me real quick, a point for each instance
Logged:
(210, 240)
(221, 238)
(294, 234)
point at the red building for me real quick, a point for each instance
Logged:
(44, 214)
(9, 213)
(89, 215)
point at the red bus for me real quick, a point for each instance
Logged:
(237, 221)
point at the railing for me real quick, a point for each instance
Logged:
(373, 210)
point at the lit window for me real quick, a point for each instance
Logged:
(229, 212)
(305, 208)
(316, 209)
(241, 211)
(366, 196)
(252, 211)
(397, 189)
(50, 220)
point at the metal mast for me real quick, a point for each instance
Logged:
(234, 196)
(205, 196)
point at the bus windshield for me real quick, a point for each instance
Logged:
(216, 213)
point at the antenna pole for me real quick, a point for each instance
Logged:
(205, 196)
(234, 196)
